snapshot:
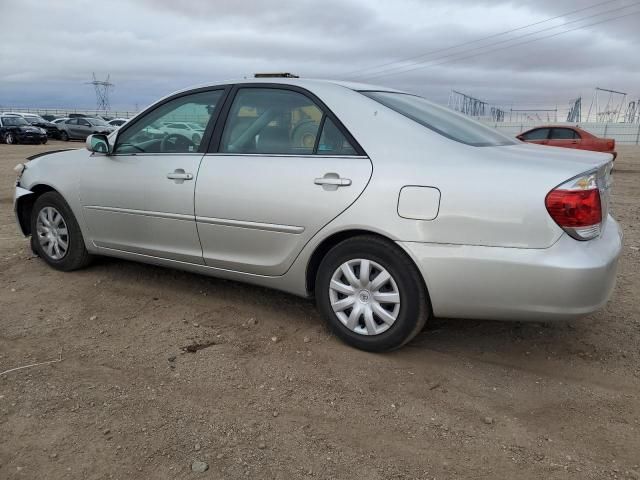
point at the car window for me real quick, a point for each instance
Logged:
(442, 120)
(72, 121)
(14, 121)
(333, 142)
(563, 134)
(98, 122)
(153, 133)
(271, 121)
(83, 122)
(537, 134)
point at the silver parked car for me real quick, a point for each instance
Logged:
(79, 128)
(385, 207)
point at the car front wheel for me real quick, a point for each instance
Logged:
(371, 294)
(55, 234)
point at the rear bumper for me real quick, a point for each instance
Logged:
(567, 280)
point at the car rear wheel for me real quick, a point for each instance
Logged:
(56, 236)
(10, 139)
(44, 141)
(64, 136)
(371, 294)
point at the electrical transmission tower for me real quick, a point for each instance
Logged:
(474, 107)
(632, 114)
(575, 111)
(102, 92)
(609, 111)
(533, 115)
(466, 104)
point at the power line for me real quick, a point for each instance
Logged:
(348, 74)
(424, 65)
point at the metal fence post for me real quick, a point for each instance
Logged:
(638, 135)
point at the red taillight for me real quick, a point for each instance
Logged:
(576, 205)
(574, 209)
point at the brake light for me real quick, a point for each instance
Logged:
(577, 205)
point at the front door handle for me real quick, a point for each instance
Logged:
(179, 175)
(331, 181)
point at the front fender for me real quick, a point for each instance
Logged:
(19, 197)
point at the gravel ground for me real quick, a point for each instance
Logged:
(269, 393)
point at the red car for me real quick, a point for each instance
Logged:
(569, 137)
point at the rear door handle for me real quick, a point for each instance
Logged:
(340, 182)
(179, 175)
(331, 181)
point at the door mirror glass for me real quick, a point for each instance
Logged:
(98, 143)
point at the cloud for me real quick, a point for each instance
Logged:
(152, 47)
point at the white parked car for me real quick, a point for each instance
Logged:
(117, 122)
(385, 207)
(192, 131)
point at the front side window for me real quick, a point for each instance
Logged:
(151, 133)
(537, 134)
(271, 121)
(442, 120)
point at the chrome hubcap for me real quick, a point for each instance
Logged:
(52, 232)
(364, 297)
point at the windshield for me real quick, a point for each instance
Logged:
(97, 121)
(14, 121)
(442, 120)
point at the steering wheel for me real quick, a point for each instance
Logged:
(175, 142)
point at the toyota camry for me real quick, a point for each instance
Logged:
(385, 207)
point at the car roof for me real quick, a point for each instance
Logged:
(572, 127)
(307, 83)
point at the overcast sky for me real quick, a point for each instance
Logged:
(48, 49)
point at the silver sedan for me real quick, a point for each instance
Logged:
(385, 207)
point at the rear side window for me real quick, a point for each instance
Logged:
(442, 120)
(563, 134)
(271, 121)
(538, 134)
(333, 142)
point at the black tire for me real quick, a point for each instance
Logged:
(64, 136)
(44, 141)
(414, 301)
(76, 255)
(10, 139)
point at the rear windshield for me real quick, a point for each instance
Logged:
(442, 120)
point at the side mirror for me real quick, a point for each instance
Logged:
(98, 143)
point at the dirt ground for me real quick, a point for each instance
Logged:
(274, 395)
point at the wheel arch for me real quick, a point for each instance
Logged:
(24, 205)
(334, 239)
